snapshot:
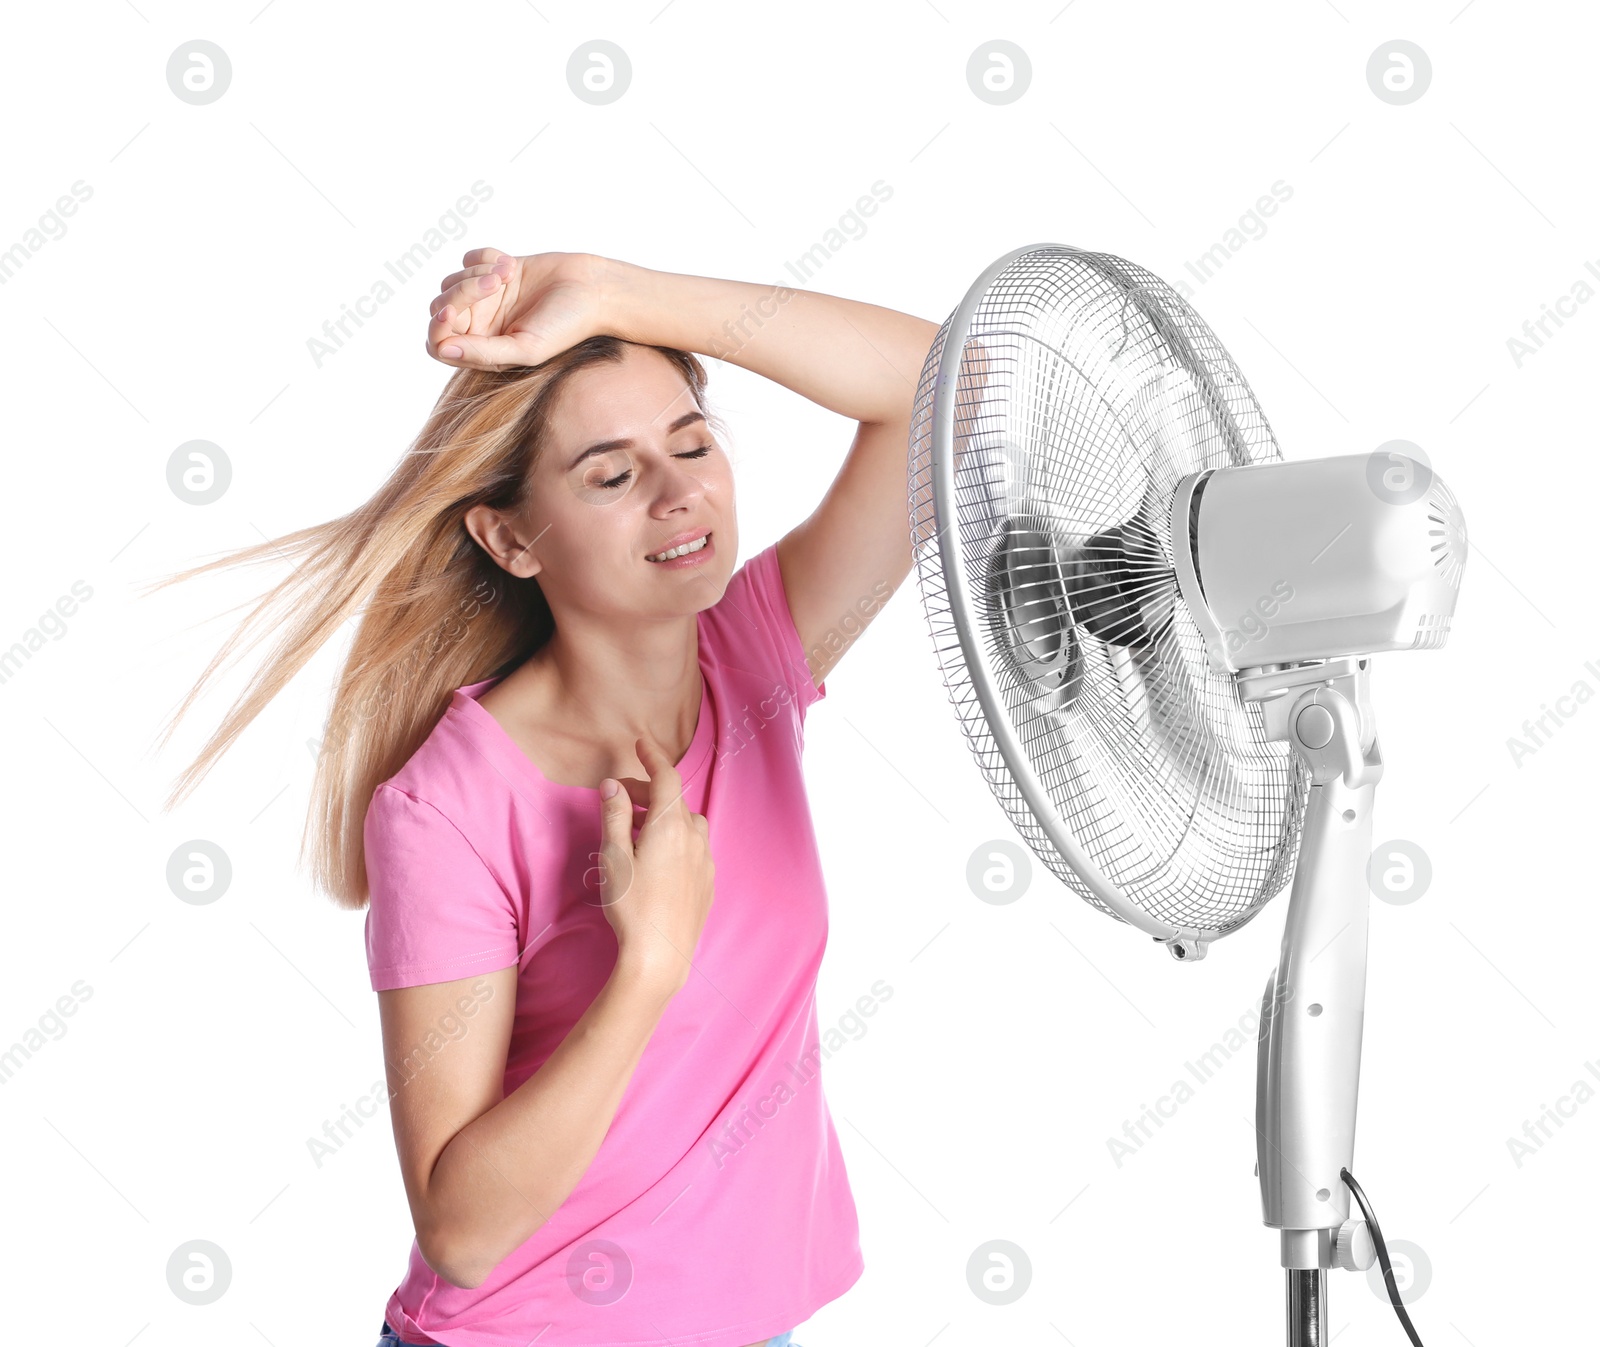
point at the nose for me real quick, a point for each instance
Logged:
(678, 488)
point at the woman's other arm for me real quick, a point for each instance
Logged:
(482, 1173)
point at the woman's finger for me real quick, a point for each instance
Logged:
(638, 790)
(482, 257)
(455, 313)
(666, 785)
(478, 352)
(448, 322)
(469, 292)
(451, 284)
(501, 268)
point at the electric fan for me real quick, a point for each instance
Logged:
(1155, 634)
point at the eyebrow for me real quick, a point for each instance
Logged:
(605, 446)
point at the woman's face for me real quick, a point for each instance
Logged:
(629, 467)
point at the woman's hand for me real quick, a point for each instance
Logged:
(500, 311)
(656, 892)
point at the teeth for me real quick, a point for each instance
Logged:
(695, 546)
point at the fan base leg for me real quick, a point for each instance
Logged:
(1307, 1307)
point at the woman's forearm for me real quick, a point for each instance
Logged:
(507, 1171)
(856, 359)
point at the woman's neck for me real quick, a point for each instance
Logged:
(577, 714)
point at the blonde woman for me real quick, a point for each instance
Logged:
(562, 774)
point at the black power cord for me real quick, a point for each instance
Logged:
(1383, 1257)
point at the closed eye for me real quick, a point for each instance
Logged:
(622, 477)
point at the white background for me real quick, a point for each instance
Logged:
(179, 1101)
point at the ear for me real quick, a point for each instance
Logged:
(496, 534)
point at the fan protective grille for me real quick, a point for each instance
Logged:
(1085, 389)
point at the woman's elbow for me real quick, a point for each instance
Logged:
(451, 1263)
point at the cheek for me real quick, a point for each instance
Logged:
(575, 529)
(717, 479)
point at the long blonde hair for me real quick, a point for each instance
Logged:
(438, 612)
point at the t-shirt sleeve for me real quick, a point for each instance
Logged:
(436, 912)
(759, 625)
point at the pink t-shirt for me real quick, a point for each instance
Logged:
(717, 1211)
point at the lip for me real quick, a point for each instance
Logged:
(690, 558)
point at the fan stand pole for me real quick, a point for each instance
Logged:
(1309, 1052)
(1308, 1307)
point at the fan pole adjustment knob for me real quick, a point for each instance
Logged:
(1353, 1249)
(1314, 726)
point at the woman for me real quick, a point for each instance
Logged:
(603, 1086)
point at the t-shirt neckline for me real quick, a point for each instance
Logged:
(465, 701)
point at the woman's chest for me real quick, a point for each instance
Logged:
(765, 932)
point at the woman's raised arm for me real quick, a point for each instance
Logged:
(843, 561)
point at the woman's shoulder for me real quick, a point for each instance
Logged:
(448, 769)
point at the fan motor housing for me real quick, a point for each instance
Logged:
(1310, 559)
